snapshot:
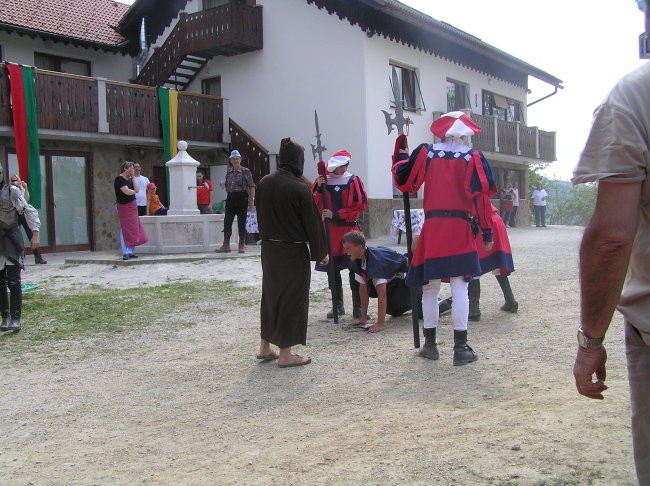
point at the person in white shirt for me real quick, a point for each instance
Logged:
(141, 195)
(539, 197)
(515, 205)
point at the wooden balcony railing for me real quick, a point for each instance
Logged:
(79, 104)
(513, 138)
(227, 30)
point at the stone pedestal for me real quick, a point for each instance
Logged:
(184, 229)
(182, 183)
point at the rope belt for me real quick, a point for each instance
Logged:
(271, 240)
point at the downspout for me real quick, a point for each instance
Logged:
(144, 51)
(544, 97)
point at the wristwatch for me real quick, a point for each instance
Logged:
(587, 342)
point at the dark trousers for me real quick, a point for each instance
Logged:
(11, 303)
(540, 215)
(236, 205)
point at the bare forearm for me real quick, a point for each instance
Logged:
(381, 304)
(603, 266)
(605, 253)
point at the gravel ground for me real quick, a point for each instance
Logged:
(191, 405)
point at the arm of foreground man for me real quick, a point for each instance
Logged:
(604, 257)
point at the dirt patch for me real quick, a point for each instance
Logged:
(190, 405)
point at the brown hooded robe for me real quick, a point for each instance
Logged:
(288, 220)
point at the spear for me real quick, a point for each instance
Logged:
(401, 143)
(318, 149)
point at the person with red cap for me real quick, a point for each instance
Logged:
(458, 182)
(154, 206)
(345, 199)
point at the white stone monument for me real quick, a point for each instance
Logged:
(182, 182)
(184, 229)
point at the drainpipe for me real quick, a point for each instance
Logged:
(544, 97)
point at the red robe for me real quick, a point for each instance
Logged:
(347, 200)
(456, 178)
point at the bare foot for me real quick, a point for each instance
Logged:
(294, 360)
(376, 328)
(267, 356)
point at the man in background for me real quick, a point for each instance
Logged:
(615, 246)
(141, 195)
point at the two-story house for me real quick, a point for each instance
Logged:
(250, 73)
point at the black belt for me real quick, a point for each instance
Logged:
(448, 214)
(452, 213)
(345, 223)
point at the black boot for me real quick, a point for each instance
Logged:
(340, 310)
(38, 259)
(430, 348)
(4, 304)
(15, 296)
(474, 293)
(338, 285)
(511, 304)
(444, 306)
(463, 354)
(356, 298)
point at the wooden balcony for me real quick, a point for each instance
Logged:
(100, 108)
(227, 30)
(513, 138)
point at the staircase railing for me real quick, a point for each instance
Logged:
(235, 27)
(254, 155)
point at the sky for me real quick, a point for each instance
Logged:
(589, 45)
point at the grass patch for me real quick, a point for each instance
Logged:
(95, 312)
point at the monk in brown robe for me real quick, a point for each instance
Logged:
(291, 231)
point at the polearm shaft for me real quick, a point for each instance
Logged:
(399, 121)
(318, 149)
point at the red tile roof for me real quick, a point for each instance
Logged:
(85, 20)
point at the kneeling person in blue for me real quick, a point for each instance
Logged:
(380, 272)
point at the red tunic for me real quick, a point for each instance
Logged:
(347, 198)
(457, 179)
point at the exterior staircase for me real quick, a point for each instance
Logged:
(227, 30)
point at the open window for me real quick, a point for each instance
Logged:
(409, 84)
(457, 96)
(505, 109)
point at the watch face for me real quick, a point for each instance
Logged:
(587, 342)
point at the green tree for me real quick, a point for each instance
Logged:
(566, 205)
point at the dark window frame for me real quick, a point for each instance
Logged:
(58, 60)
(460, 91)
(412, 99)
(513, 110)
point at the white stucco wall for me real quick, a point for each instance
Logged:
(312, 60)
(20, 49)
